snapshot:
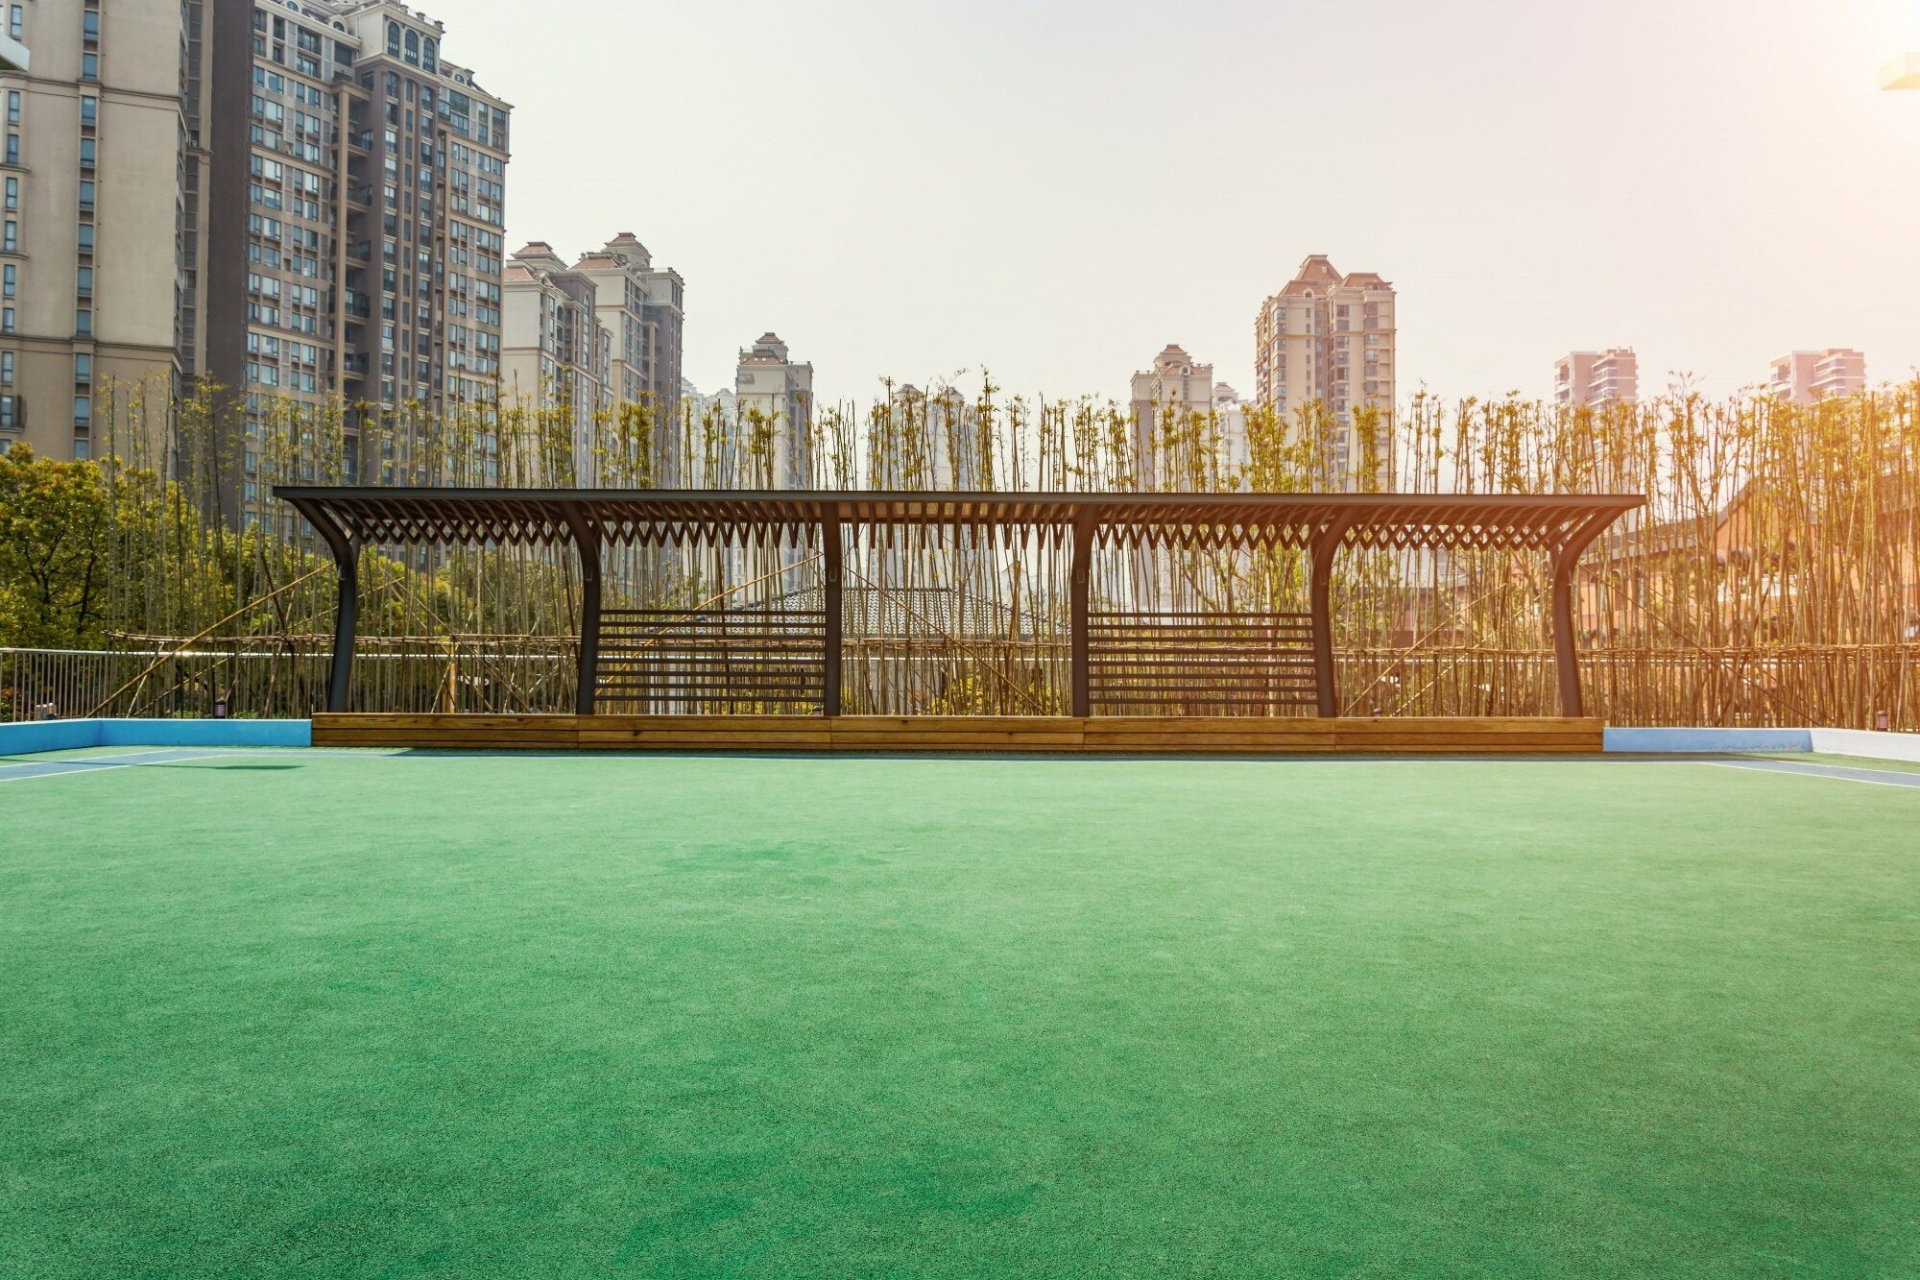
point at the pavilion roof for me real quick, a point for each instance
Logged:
(651, 517)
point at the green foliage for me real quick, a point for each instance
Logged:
(56, 532)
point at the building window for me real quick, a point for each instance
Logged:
(89, 111)
(6, 319)
(10, 281)
(82, 411)
(10, 415)
(10, 237)
(83, 369)
(82, 448)
(86, 195)
(86, 237)
(393, 38)
(83, 323)
(88, 152)
(17, 21)
(90, 24)
(89, 66)
(85, 284)
(6, 368)
(13, 148)
(13, 106)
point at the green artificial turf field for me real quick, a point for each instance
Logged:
(355, 1015)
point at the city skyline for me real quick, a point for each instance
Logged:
(1512, 236)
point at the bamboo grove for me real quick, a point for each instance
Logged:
(1773, 579)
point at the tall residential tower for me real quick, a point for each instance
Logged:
(104, 262)
(1597, 377)
(773, 396)
(304, 205)
(1803, 377)
(1329, 338)
(557, 357)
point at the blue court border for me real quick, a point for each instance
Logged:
(29, 737)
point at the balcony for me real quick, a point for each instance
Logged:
(14, 56)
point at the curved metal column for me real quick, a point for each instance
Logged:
(833, 602)
(1566, 646)
(1325, 545)
(586, 541)
(346, 617)
(1078, 660)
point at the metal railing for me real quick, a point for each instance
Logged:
(1842, 686)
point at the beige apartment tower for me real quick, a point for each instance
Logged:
(298, 203)
(1597, 378)
(1328, 338)
(773, 396)
(643, 308)
(1803, 377)
(1173, 390)
(556, 357)
(104, 240)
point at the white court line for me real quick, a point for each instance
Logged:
(1834, 773)
(17, 762)
(27, 770)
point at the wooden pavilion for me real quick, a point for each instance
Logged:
(1116, 658)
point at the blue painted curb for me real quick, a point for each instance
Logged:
(66, 735)
(1681, 741)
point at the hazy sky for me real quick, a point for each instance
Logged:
(1055, 190)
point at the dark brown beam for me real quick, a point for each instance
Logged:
(1325, 545)
(1080, 586)
(586, 541)
(346, 559)
(1566, 645)
(834, 601)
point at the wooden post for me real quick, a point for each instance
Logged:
(834, 603)
(1566, 645)
(1566, 653)
(586, 541)
(1325, 545)
(1078, 660)
(346, 619)
(346, 558)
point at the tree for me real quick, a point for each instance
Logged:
(55, 540)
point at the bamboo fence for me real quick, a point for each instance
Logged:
(1773, 579)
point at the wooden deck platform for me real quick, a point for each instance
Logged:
(1117, 735)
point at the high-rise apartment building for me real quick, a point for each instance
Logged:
(713, 421)
(643, 307)
(929, 441)
(1806, 376)
(377, 176)
(1172, 385)
(556, 356)
(1168, 395)
(303, 205)
(773, 397)
(104, 241)
(1329, 338)
(1597, 377)
(1230, 419)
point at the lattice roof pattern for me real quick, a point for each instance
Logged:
(1546, 522)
